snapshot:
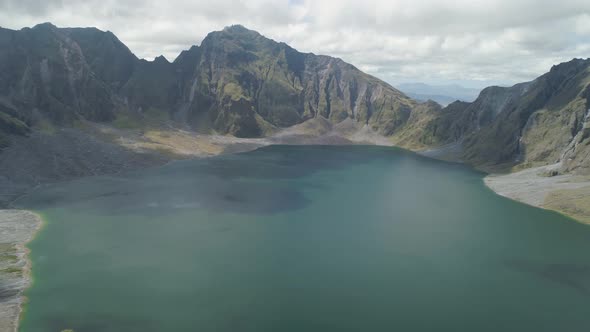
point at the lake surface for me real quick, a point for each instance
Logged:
(303, 238)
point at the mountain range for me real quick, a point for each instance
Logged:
(60, 84)
(236, 82)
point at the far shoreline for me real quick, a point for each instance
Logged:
(562, 193)
(154, 147)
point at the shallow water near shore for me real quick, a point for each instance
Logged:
(303, 238)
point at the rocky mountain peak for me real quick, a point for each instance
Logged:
(161, 60)
(569, 66)
(237, 28)
(44, 26)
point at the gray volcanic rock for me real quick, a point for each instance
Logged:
(68, 153)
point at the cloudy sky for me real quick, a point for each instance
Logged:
(471, 42)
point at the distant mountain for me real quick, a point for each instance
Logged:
(442, 94)
(442, 100)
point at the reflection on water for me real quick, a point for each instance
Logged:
(223, 183)
(574, 276)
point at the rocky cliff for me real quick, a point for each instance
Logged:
(545, 121)
(236, 82)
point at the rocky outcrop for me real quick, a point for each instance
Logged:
(249, 84)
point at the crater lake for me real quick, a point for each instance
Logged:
(302, 238)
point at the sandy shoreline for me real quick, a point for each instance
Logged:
(17, 228)
(566, 193)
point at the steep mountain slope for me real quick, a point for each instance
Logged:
(534, 122)
(541, 122)
(250, 84)
(44, 75)
(236, 82)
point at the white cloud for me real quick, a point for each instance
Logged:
(398, 40)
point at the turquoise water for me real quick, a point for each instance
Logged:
(305, 238)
